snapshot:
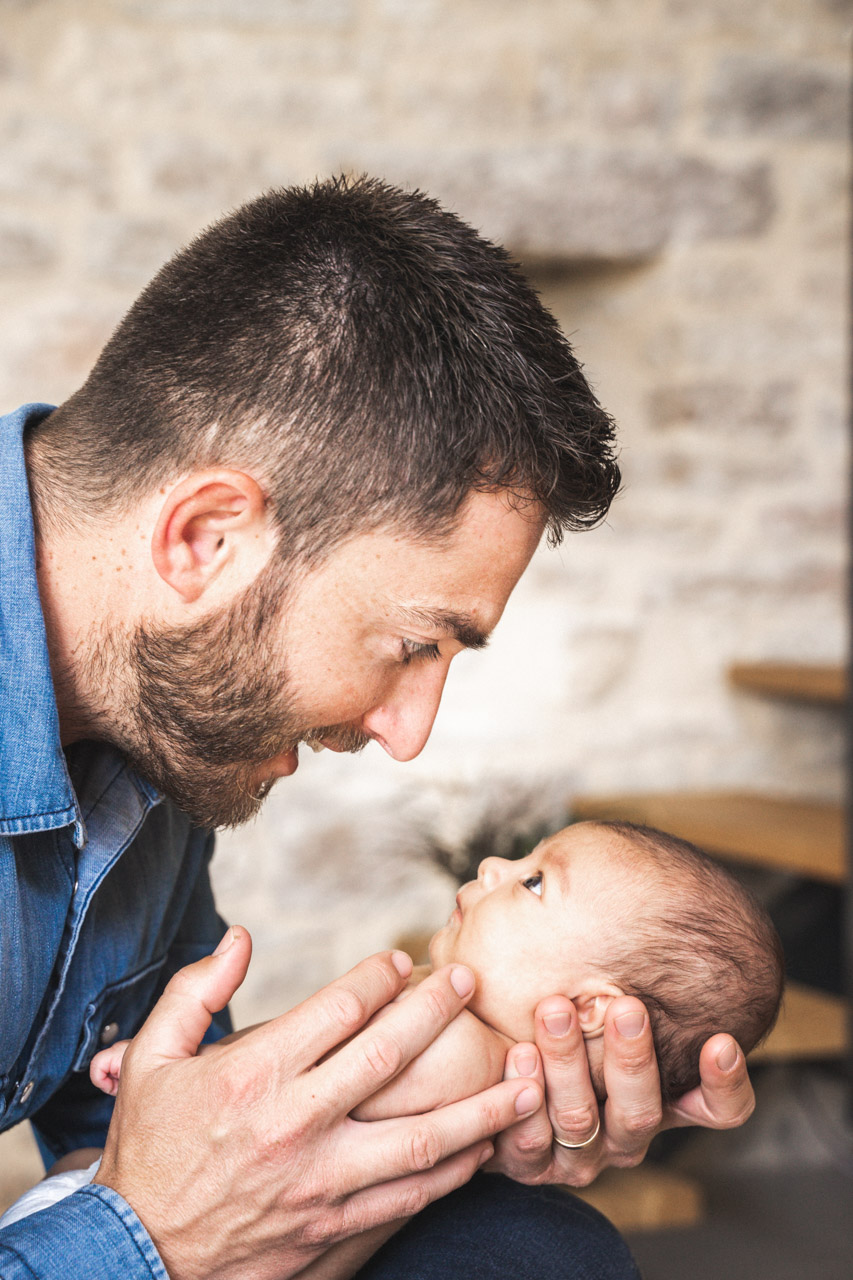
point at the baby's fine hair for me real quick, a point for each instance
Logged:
(705, 959)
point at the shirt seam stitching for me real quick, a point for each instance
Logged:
(126, 1226)
(42, 813)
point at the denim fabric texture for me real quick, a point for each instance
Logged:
(104, 893)
(495, 1229)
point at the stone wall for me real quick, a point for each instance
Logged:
(674, 175)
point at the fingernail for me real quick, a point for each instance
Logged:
(557, 1023)
(525, 1063)
(402, 963)
(462, 981)
(485, 1155)
(526, 1102)
(225, 943)
(630, 1025)
(727, 1057)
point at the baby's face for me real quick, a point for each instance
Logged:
(529, 928)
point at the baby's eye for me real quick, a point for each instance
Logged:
(534, 883)
(414, 651)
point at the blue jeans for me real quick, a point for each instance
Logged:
(496, 1229)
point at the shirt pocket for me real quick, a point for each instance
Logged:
(118, 1012)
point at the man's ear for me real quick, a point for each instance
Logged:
(212, 523)
(591, 1006)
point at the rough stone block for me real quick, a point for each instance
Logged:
(51, 348)
(45, 159)
(627, 99)
(735, 281)
(570, 203)
(24, 247)
(779, 98)
(710, 201)
(193, 172)
(247, 13)
(544, 203)
(724, 406)
(128, 251)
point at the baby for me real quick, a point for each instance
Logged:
(599, 910)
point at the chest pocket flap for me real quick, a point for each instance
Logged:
(118, 1012)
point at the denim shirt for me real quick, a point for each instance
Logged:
(104, 893)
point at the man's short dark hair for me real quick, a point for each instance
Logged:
(362, 350)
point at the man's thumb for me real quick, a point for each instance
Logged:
(175, 1026)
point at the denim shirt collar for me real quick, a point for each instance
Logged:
(35, 790)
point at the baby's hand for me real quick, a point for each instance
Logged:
(105, 1067)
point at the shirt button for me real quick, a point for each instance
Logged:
(108, 1033)
(26, 1091)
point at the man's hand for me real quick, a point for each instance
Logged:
(247, 1161)
(632, 1114)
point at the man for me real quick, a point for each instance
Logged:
(306, 471)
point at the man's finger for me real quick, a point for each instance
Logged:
(298, 1039)
(724, 1098)
(379, 1150)
(175, 1026)
(375, 1056)
(633, 1108)
(572, 1104)
(524, 1152)
(390, 1201)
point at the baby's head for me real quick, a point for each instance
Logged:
(603, 909)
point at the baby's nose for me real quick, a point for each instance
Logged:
(491, 871)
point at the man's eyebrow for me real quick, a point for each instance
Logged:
(458, 625)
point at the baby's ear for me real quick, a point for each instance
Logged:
(591, 1006)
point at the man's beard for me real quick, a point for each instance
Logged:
(209, 705)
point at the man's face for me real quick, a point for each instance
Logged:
(531, 927)
(360, 650)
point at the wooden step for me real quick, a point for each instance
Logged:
(647, 1198)
(801, 836)
(794, 681)
(812, 1024)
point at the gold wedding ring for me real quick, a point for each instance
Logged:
(576, 1146)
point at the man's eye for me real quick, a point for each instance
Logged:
(414, 651)
(534, 883)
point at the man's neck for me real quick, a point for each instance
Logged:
(74, 621)
(86, 587)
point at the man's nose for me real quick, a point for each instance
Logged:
(491, 871)
(401, 723)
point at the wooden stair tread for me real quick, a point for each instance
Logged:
(797, 681)
(802, 836)
(812, 1024)
(647, 1198)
